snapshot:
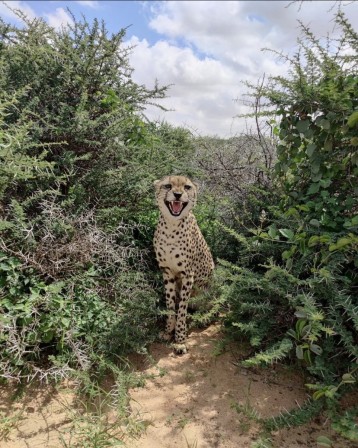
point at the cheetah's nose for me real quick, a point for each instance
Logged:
(177, 195)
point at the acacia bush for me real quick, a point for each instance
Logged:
(77, 163)
(293, 289)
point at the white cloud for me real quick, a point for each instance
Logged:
(179, 64)
(58, 19)
(202, 90)
(209, 47)
(7, 9)
(89, 3)
(235, 31)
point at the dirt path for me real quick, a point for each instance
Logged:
(195, 400)
(198, 400)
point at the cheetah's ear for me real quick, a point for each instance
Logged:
(196, 185)
(156, 182)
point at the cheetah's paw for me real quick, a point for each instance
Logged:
(180, 349)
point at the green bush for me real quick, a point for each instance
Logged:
(292, 291)
(78, 158)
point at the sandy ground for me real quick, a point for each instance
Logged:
(36, 419)
(189, 401)
(192, 400)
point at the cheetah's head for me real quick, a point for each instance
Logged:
(176, 196)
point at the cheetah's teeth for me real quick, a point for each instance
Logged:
(176, 207)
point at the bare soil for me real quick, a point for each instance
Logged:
(189, 401)
(195, 400)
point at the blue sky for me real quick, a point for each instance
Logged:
(205, 50)
(116, 14)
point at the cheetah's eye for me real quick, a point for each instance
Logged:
(187, 187)
(167, 186)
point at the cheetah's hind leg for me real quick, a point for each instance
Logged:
(168, 334)
(165, 336)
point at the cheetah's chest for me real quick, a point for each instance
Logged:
(173, 250)
(174, 255)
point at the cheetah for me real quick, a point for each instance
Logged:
(181, 252)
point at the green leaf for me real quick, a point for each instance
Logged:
(299, 352)
(311, 386)
(316, 177)
(5, 267)
(286, 254)
(348, 378)
(289, 264)
(300, 324)
(302, 126)
(272, 232)
(292, 211)
(325, 183)
(314, 240)
(304, 208)
(315, 222)
(353, 119)
(331, 391)
(301, 314)
(331, 116)
(318, 394)
(65, 322)
(48, 336)
(325, 238)
(324, 441)
(328, 145)
(307, 356)
(316, 349)
(342, 242)
(316, 167)
(314, 188)
(287, 233)
(305, 331)
(292, 333)
(323, 123)
(310, 149)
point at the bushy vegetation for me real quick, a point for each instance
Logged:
(79, 284)
(293, 289)
(77, 164)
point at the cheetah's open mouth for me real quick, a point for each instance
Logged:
(176, 207)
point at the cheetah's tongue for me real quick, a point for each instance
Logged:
(177, 206)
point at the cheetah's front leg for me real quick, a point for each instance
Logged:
(170, 293)
(180, 327)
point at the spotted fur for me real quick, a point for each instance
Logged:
(181, 251)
